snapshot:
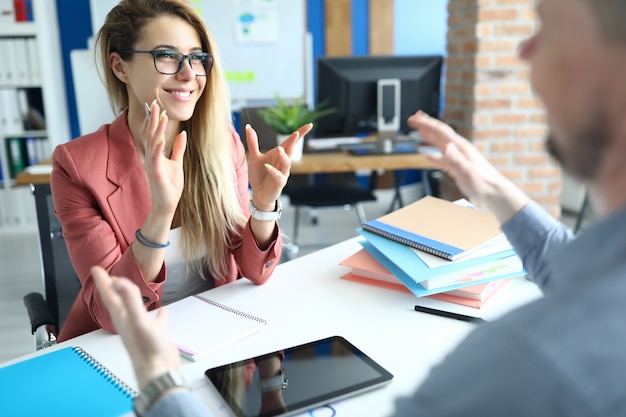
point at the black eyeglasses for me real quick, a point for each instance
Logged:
(170, 62)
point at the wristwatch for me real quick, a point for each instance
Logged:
(274, 382)
(267, 215)
(155, 389)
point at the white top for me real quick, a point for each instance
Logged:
(180, 281)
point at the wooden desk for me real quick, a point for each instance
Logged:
(26, 178)
(305, 300)
(323, 162)
(312, 163)
(337, 162)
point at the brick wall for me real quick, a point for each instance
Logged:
(488, 96)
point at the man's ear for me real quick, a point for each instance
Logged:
(118, 66)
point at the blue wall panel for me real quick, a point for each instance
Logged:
(360, 27)
(74, 29)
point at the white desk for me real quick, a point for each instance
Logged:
(306, 300)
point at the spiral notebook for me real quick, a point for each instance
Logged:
(67, 382)
(438, 226)
(217, 326)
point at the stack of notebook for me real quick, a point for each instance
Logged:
(434, 246)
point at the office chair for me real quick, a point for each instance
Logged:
(61, 284)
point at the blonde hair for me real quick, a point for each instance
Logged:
(211, 216)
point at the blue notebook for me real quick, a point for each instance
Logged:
(402, 262)
(66, 382)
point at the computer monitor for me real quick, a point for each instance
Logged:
(351, 84)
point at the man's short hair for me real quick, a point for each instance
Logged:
(611, 15)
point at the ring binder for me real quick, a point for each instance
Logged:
(124, 388)
(232, 310)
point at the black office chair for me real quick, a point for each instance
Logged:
(61, 284)
(332, 190)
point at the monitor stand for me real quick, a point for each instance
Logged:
(388, 117)
(386, 141)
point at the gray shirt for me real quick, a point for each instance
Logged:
(562, 355)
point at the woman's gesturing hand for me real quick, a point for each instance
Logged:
(268, 172)
(165, 175)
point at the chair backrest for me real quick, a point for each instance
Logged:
(266, 133)
(60, 280)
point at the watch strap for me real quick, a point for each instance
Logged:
(275, 382)
(155, 389)
(266, 215)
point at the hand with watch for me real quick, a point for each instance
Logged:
(155, 358)
(267, 176)
(268, 172)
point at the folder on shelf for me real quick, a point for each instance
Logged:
(20, 61)
(7, 15)
(10, 119)
(32, 150)
(32, 54)
(438, 226)
(219, 326)
(20, 10)
(10, 66)
(16, 155)
(66, 382)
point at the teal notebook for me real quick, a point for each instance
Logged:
(400, 260)
(66, 382)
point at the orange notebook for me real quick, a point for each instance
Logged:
(438, 226)
(367, 270)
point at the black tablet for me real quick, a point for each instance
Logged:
(296, 379)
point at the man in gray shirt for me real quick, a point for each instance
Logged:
(565, 354)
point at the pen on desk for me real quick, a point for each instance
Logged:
(450, 315)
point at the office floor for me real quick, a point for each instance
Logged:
(20, 271)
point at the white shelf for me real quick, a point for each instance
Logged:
(17, 203)
(20, 28)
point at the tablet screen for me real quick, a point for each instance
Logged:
(297, 378)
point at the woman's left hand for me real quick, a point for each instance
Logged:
(268, 172)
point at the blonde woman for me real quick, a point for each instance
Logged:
(161, 195)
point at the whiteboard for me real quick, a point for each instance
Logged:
(92, 101)
(273, 60)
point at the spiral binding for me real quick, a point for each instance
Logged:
(102, 370)
(408, 242)
(231, 310)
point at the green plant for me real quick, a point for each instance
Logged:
(286, 117)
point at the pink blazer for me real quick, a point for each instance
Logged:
(101, 198)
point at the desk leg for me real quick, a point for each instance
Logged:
(431, 181)
(398, 177)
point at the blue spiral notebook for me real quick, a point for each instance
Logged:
(66, 382)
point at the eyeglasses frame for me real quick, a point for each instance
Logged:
(185, 57)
